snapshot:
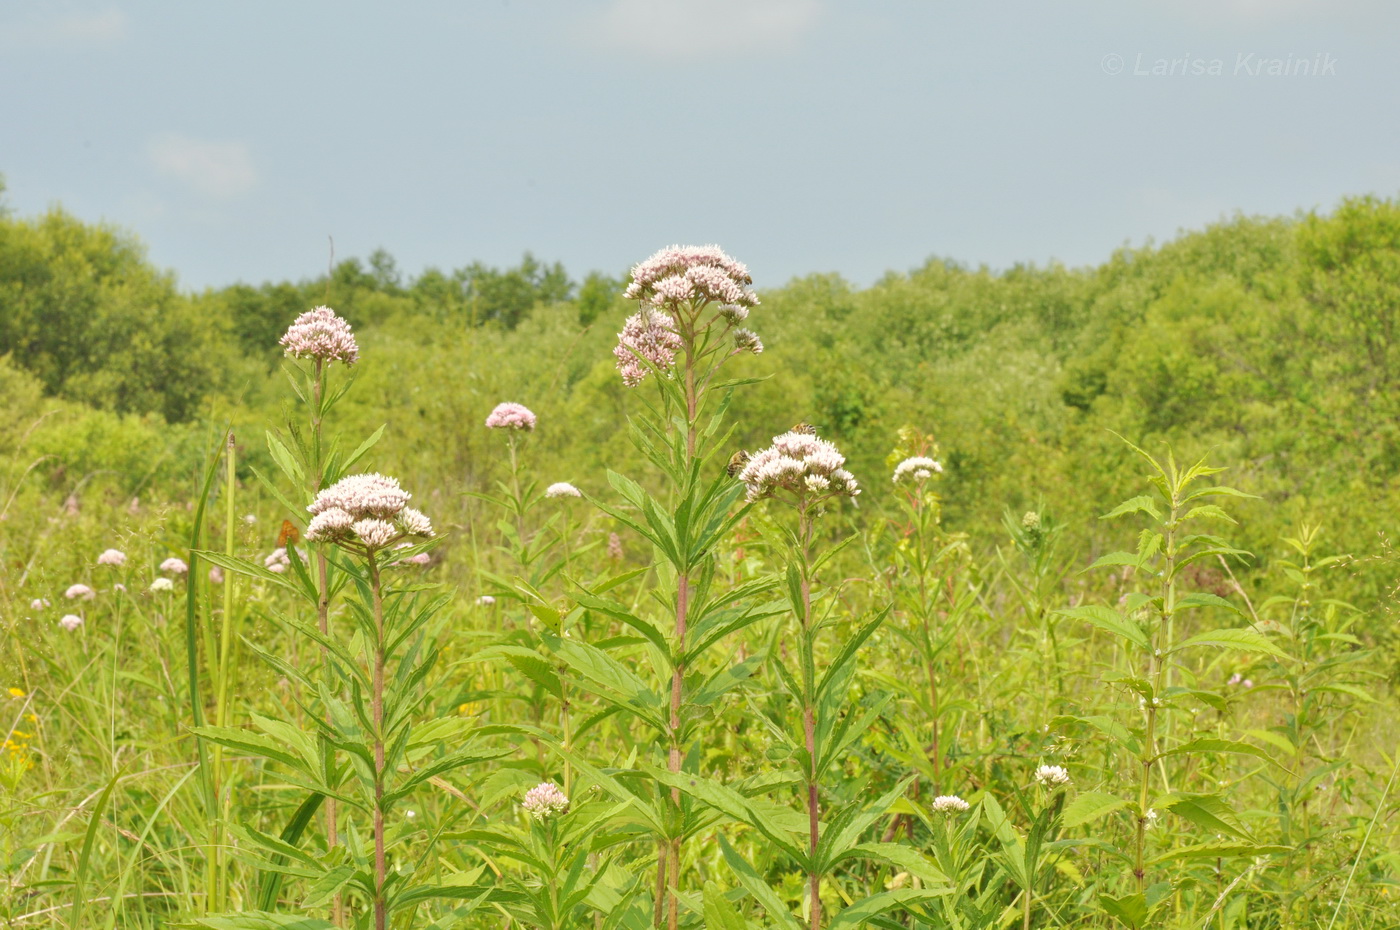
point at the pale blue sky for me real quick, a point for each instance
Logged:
(802, 135)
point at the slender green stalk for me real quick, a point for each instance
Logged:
(381, 912)
(809, 714)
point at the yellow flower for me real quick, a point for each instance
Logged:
(16, 692)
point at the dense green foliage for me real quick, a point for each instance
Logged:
(1219, 685)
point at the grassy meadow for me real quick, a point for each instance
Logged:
(1043, 597)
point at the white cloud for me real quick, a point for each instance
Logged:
(215, 169)
(694, 29)
(72, 30)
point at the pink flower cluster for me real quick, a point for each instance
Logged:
(511, 416)
(648, 333)
(370, 510)
(277, 560)
(692, 273)
(174, 566)
(801, 463)
(321, 334)
(544, 800)
(113, 557)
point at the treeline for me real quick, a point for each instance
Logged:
(1268, 343)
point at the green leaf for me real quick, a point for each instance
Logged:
(1242, 639)
(862, 912)
(285, 460)
(1115, 558)
(1202, 599)
(263, 920)
(1219, 850)
(906, 858)
(1106, 618)
(732, 804)
(1130, 909)
(1210, 744)
(253, 743)
(758, 886)
(1207, 811)
(719, 913)
(362, 448)
(1089, 806)
(1143, 503)
(328, 885)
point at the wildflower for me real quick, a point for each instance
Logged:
(119, 588)
(216, 575)
(112, 557)
(733, 313)
(1247, 683)
(329, 525)
(698, 273)
(948, 803)
(651, 334)
(250, 518)
(614, 547)
(1235, 679)
(70, 622)
(322, 335)
(511, 416)
(420, 558)
(39, 603)
(746, 340)
(793, 459)
(1150, 818)
(486, 600)
(277, 560)
(415, 523)
(545, 800)
(77, 591)
(174, 566)
(1031, 521)
(362, 496)
(1051, 776)
(919, 467)
(161, 585)
(374, 533)
(562, 489)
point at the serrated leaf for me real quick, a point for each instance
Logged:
(1241, 639)
(1089, 806)
(1219, 851)
(1143, 503)
(264, 920)
(1207, 811)
(1110, 620)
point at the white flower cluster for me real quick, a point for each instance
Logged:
(323, 335)
(801, 463)
(949, 804)
(545, 800)
(277, 560)
(562, 489)
(370, 510)
(1051, 776)
(78, 591)
(114, 557)
(919, 468)
(174, 566)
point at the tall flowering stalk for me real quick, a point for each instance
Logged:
(691, 302)
(325, 339)
(380, 676)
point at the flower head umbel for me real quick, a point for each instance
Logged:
(511, 416)
(321, 335)
(746, 340)
(562, 489)
(368, 510)
(1051, 776)
(949, 804)
(919, 468)
(174, 566)
(544, 800)
(486, 600)
(39, 603)
(114, 557)
(70, 622)
(79, 591)
(277, 560)
(651, 334)
(162, 585)
(699, 273)
(800, 463)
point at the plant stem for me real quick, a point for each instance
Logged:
(221, 691)
(377, 711)
(809, 716)
(323, 604)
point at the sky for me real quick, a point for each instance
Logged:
(237, 139)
